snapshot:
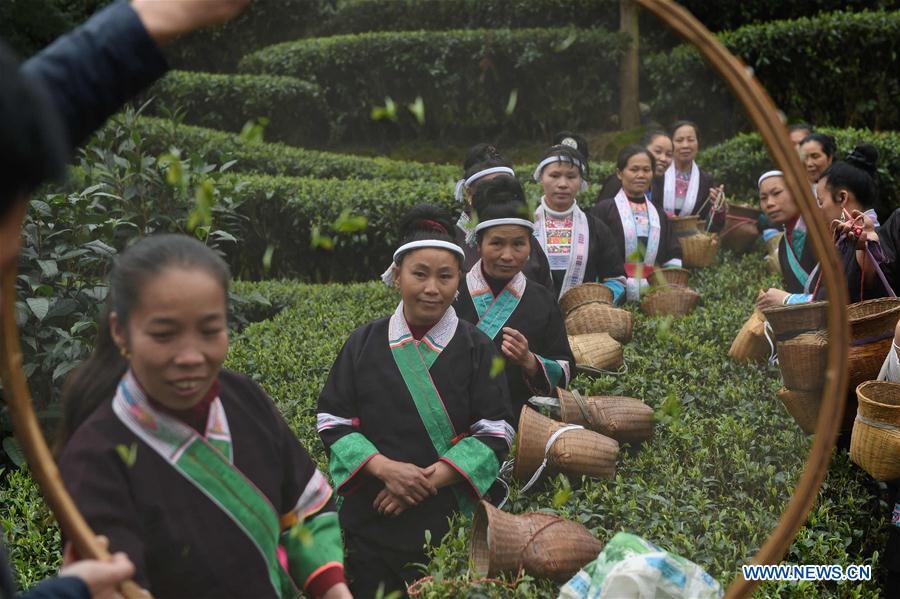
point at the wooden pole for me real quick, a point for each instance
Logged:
(629, 70)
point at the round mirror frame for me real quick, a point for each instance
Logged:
(764, 115)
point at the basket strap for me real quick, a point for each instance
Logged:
(553, 438)
(773, 355)
(872, 339)
(877, 424)
(583, 407)
(622, 370)
(877, 267)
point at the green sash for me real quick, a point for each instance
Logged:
(207, 464)
(493, 312)
(793, 257)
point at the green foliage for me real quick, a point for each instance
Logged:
(464, 78)
(740, 161)
(29, 530)
(29, 25)
(296, 110)
(830, 69)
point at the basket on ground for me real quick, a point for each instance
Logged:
(625, 419)
(585, 294)
(575, 452)
(669, 276)
(600, 318)
(698, 251)
(875, 442)
(803, 360)
(596, 352)
(544, 545)
(683, 226)
(674, 301)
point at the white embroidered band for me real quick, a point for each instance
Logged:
(496, 222)
(767, 175)
(467, 183)
(557, 158)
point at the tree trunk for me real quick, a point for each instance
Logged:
(629, 71)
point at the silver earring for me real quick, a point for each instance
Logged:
(456, 296)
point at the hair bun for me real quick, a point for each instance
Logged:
(499, 190)
(864, 156)
(426, 218)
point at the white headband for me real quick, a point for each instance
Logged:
(496, 222)
(388, 275)
(767, 175)
(556, 158)
(467, 183)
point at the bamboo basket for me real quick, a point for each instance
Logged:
(544, 545)
(803, 360)
(625, 419)
(864, 361)
(585, 294)
(740, 232)
(597, 352)
(787, 321)
(698, 251)
(575, 452)
(750, 344)
(683, 226)
(875, 441)
(803, 406)
(600, 318)
(673, 301)
(874, 319)
(669, 276)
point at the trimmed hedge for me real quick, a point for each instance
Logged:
(296, 110)
(834, 69)
(465, 79)
(359, 16)
(739, 161)
(158, 135)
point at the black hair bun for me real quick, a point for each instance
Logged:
(499, 190)
(483, 154)
(427, 219)
(573, 140)
(865, 157)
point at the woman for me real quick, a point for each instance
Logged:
(687, 189)
(577, 245)
(660, 145)
(483, 163)
(817, 152)
(642, 230)
(414, 424)
(188, 468)
(522, 318)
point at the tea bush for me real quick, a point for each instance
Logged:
(465, 78)
(295, 109)
(829, 70)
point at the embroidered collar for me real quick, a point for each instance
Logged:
(437, 338)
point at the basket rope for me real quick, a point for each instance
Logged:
(553, 438)
(877, 423)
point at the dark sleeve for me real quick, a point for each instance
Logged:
(610, 259)
(477, 457)
(337, 420)
(89, 73)
(718, 218)
(669, 246)
(611, 187)
(95, 477)
(555, 356)
(64, 587)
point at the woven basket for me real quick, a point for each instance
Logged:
(698, 251)
(585, 294)
(683, 226)
(875, 442)
(669, 276)
(597, 351)
(546, 546)
(803, 360)
(625, 419)
(803, 406)
(576, 452)
(787, 321)
(750, 343)
(873, 319)
(864, 361)
(740, 232)
(600, 318)
(674, 301)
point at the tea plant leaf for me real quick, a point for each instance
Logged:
(511, 102)
(417, 109)
(39, 306)
(127, 453)
(498, 364)
(14, 451)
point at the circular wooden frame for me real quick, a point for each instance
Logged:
(765, 117)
